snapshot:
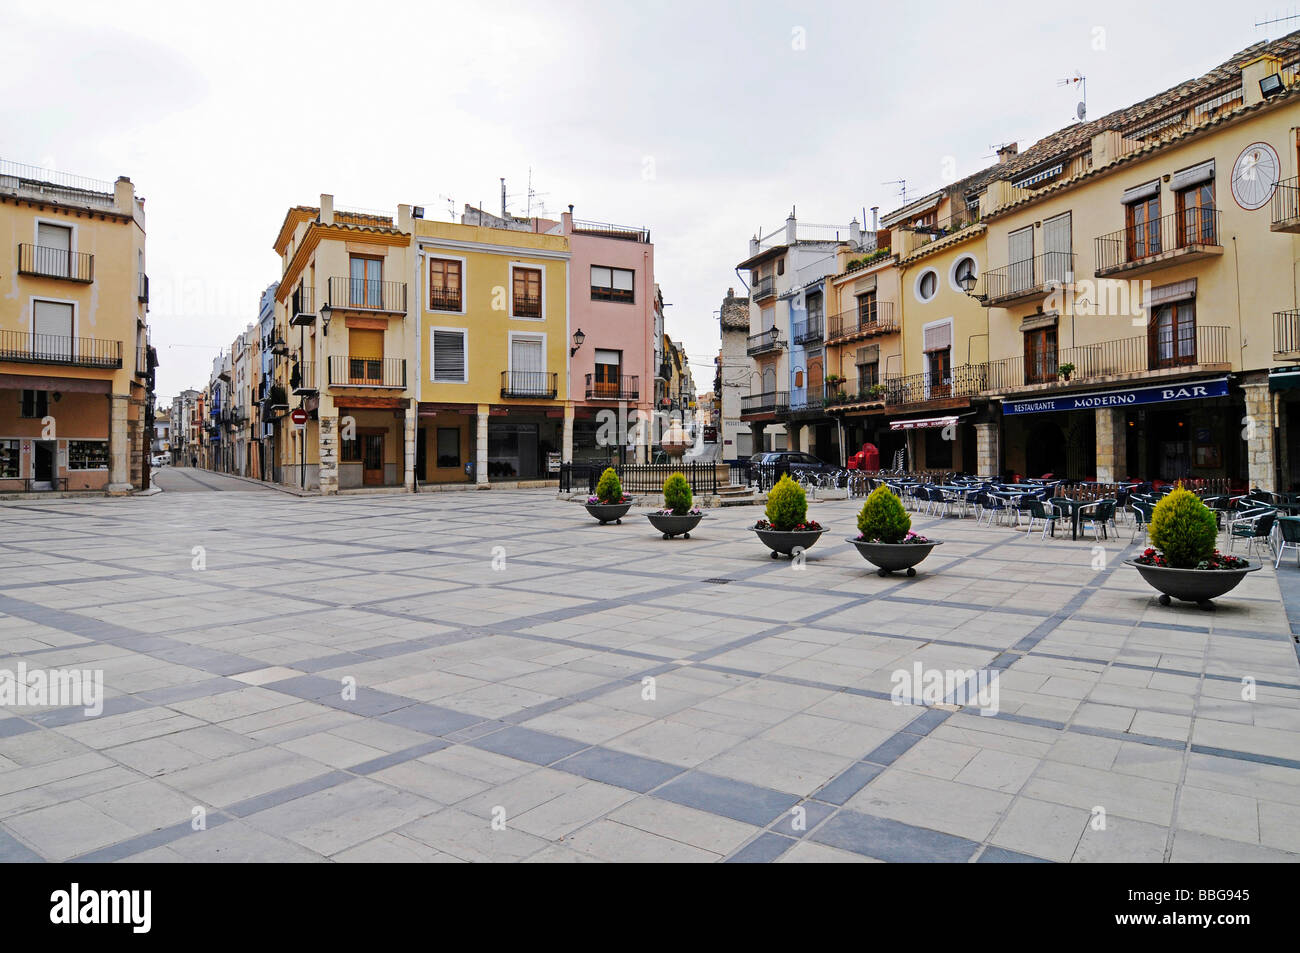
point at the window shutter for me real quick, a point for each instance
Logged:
(864, 285)
(609, 357)
(1140, 192)
(868, 354)
(600, 277)
(54, 236)
(448, 355)
(622, 279)
(1193, 176)
(938, 337)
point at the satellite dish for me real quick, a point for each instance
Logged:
(1081, 111)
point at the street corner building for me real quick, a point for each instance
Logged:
(76, 366)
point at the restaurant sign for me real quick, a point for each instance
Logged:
(1157, 394)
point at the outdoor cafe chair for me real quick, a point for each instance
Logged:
(1099, 515)
(1288, 528)
(1040, 510)
(1253, 529)
(1141, 510)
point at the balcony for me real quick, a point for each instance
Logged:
(763, 342)
(1286, 206)
(43, 262)
(543, 384)
(1286, 335)
(968, 380)
(444, 299)
(863, 390)
(347, 371)
(1174, 239)
(23, 347)
(302, 380)
(808, 331)
(860, 323)
(142, 286)
(274, 398)
(605, 230)
(770, 402)
(362, 294)
(620, 388)
(1137, 355)
(763, 288)
(1026, 280)
(526, 306)
(302, 306)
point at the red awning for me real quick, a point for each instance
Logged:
(923, 423)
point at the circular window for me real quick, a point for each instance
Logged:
(966, 265)
(927, 285)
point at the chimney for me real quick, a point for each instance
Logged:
(566, 222)
(326, 209)
(731, 292)
(124, 195)
(791, 229)
(503, 197)
(855, 233)
(1007, 152)
(875, 218)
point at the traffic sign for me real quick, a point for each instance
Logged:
(299, 417)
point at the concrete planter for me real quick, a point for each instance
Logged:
(894, 557)
(608, 512)
(672, 525)
(1191, 585)
(784, 542)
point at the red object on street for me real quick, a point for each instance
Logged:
(868, 458)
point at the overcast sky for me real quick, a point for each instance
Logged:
(702, 121)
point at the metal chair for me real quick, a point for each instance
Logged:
(1099, 515)
(1040, 510)
(1288, 535)
(1253, 530)
(1141, 511)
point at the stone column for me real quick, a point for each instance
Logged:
(566, 453)
(986, 450)
(410, 430)
(1258, 430)
(757, 431)
(327, 470)
(119, 445)
(1112, 444)
(481, 446)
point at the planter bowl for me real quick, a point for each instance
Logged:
(608, 512)
(672, 525)
(784, 542)
(1191, 585)
(894, 557)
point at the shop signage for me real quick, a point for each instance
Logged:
(1156, 394)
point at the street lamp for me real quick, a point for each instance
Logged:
(967, 280)
(578, 338)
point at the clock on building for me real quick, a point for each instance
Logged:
(1255, 175)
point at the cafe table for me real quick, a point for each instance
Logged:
(1073, 506)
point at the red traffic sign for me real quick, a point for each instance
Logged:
(299, 417)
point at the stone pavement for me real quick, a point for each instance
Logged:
(532, 686)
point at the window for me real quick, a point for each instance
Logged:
(366, 284)
(1196, 215)
(1040, 356)
(526, 302)
(53, 250)
(937, 340)
(609, 366)
(868, 375)
(52, 323)
(528, 374)
(365, 356)
(448, 447)
(87, 454)
(867, 309)
(350, 450)
(36, 403)
(444, 284)
(612, 284)
(927, 286)
(1142, 224)
(1058, 248)
(964, 266)
(1171, 338)
(9, 459)
(1020, 260)
(780, 266)
(448, 357)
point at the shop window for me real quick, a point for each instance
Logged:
(350, 450)
(9, 459)
(87, 454)
(448, 448)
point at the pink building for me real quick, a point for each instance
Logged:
(611, 301)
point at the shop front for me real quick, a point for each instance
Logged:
(444, 443)
(1284, 386)
(522, 442)
(54, 434)
(372, 453)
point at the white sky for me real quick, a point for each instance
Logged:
(703, 121)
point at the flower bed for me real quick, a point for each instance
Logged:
(1216, 560)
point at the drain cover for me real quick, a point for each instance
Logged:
(719, 581)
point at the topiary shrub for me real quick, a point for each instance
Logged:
(610, 487)
(787, 505)
(1184, 529)
(677, 494)
(883, 517)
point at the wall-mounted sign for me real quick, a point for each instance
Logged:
(1155, 394)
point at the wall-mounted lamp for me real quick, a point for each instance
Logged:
(967, 281)
(325, 317)
(278, 347)
(578, 338)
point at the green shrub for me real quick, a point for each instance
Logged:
(1184, 529)
(677, 494)
(610, 487)
(787, 504)
(883, 517)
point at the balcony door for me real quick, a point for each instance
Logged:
(867, 310)
(54, 250)
(1040, 356)
(937, 339)
(1057, 247)
(52, 331)
(365, 357)
(1196, 215)
(527, 366)
(1020, 259)
(366, 284)
(609, 366)
(1172, 336)
(1143, 228)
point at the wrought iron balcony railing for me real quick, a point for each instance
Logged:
(620, 388)
(1286, 206)
(808, 331)
(1024, 279)
(763, 288)
(1191, 232)
(348, 371)
(526, 306)
(867, 320)
(775, 401)
(764, 341)
(529, 384)
(43, 262)
(1286, 332)
(362, 294)
(23, 347)
(302, 305)
(967, 380)
(302, 378)
(444, 299)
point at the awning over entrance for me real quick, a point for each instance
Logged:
(1284, 378)
(923, 423)
(1129, 397)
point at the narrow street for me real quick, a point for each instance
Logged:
(189, 480)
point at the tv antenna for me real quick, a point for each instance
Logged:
(1078, 79)
(451, 206)
(1259, 24)
(902, 186)
(534, 204)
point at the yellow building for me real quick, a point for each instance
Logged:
(342, 314)
(494, 393)
(75, 363)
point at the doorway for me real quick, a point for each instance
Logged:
(372, 459)
(43, 464)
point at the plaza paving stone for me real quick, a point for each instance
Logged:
(491, 676)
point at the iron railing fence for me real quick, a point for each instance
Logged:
(625, 387)
(362, 294)
(529, 384)
(44, 262)
(23, 347)
(348, 371)
(638, 477)
(1191, 228)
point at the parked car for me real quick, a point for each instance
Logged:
(793, 461)
(160, 459)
